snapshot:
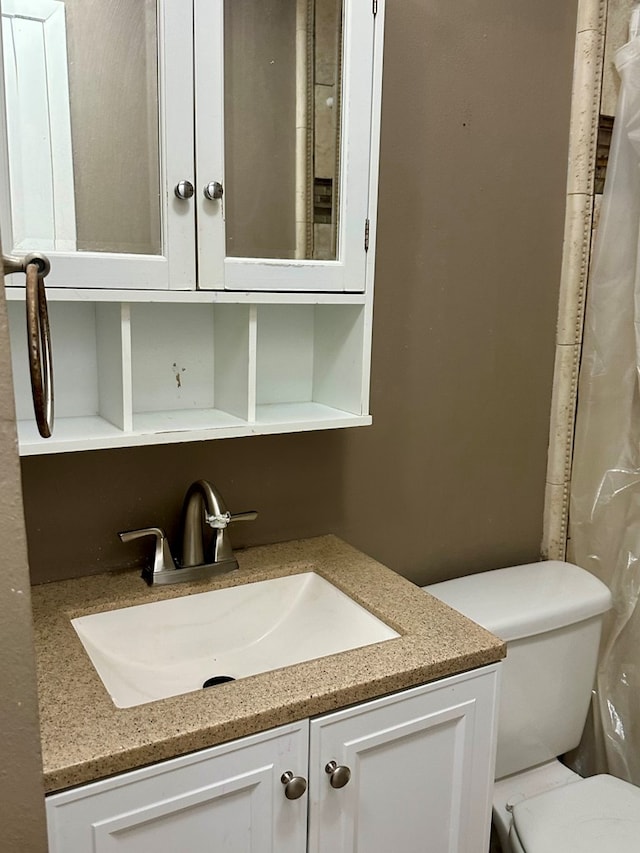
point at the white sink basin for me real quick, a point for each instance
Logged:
(165, 648)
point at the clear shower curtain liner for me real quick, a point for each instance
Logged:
(604, 527)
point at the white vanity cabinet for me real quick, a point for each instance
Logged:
(420, 769)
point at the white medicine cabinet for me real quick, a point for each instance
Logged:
(217, 144)
(203, 177)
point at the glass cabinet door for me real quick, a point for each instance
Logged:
(283, 135)
(99, 117)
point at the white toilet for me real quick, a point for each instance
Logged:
(550, 614)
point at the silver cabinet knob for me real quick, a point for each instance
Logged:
(213, 190)
(339, 774)
(184, 189)
(294, 786)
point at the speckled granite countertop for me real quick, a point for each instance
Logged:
(85, 737)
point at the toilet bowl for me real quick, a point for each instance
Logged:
(550, 615)
(596, 815)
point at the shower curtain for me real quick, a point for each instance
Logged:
(604, 529)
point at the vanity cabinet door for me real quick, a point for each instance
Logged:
(421, 770)
(228, 798)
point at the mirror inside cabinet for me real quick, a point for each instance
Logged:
(282, 107)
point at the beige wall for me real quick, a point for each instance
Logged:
(22, 822)
(450, 479)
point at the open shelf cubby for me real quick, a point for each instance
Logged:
(309, 363)
(130, 373)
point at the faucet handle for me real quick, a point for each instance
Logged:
(251, 515)
(162, 560)
(221, 520)
(217, 520)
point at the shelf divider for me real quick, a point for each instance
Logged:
(231, 360)
(113, 345)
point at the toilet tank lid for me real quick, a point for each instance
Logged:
(521, 601)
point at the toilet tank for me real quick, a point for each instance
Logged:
(550, 615)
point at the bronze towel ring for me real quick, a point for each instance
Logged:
(36, 266)
(40, 352)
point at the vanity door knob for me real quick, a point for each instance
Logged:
(339, 774)
(213, 190)
(184, 190)
(294, 786)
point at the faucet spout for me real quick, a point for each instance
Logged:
(203, 504)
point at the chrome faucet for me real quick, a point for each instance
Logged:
(203, 505)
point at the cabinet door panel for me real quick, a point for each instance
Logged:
(259, 236)
(97, 142)
(227, 798)
(217, 816)
(421, 769)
